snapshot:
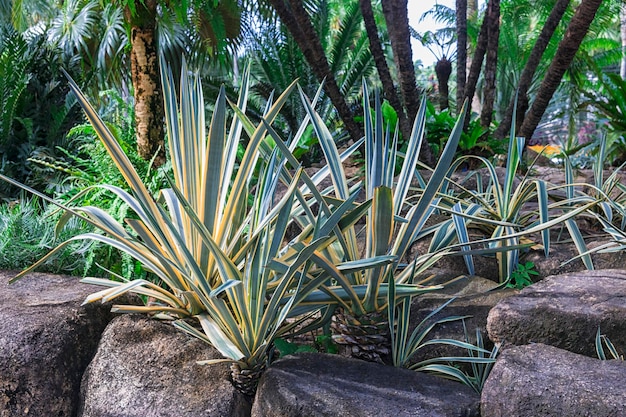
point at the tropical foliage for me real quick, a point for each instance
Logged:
(279, 61)
(35, 110)
(27, 233)
(500, 211)
(231, 239)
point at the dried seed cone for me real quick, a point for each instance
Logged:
(365, 337)
(246, 380)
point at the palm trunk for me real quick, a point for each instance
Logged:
(443, 69)
(477, 61)
(529, 70)
(576, 31)
(389, 90)
(622, 22)
(293, 15)
(461, 52)
(491, 62)
(146, 79)
(397, 18)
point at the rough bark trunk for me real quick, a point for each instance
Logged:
(491, 62)
(529, 70)
(461, 52)
(293, 15)
(389, 90)
(622, 21)
(443, 69)
(576, 31)
(397, 18)
(477, 63)
(146, 79)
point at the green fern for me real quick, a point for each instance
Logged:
(14, 60)
(27, 232)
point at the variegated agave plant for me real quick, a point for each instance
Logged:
(216, 240)
(511, 211)
(395, 220)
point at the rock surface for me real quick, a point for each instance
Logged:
(540, 380)
(560, 260)
(147, 368)
(474, 297)
(46, 341)
(564, 311)
(316, 385)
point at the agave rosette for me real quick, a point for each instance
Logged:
(215, 240)
(360, 272)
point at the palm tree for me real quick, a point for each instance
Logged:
(439, 43)
(396, 16)
(600, 50)
(398, 29)
(204, 17)
(94, 32)
(576, 31)
(396, 13)
(141, 15)
(461, 51)
(492, 17)
(389, 89)
(476, 63)
(295, 17)
(526, 78)
(279, 60)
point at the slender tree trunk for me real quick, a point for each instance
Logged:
(472, 18)
(529, 70)
(293, 15)
(397, 18)
(384, 74)
(491, 62)
(576, 31)
(443, 69)
(461, 52)
(622, 21)
(146, 79)
(477, 63)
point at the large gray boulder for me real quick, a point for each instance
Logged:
(46, 341)
(564, 311)
(147, 368)
(321, 385)
(540, 380)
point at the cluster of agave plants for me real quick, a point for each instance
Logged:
(230, 270)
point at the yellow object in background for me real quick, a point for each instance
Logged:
(549, 151)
